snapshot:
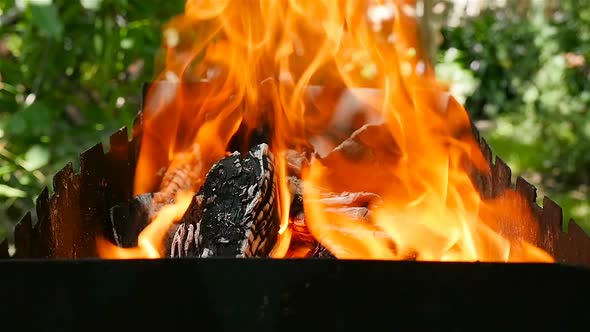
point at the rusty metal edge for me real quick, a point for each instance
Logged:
(28, 230)
(549, 215)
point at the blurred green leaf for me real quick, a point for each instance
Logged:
(14, 44)
(7, 191)
(35, 119)
(36, 157)
(91, 4)
(46, 18)
(17, 124)
(59, 84)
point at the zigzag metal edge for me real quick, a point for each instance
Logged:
(573, 246)
(92, 205)
(70, 219)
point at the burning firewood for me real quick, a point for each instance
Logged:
(370, 143)
(129, 219)
(295, 162)
(354, 206)
(186, 172)
(370, 147)
(357, 199)
(235, 214)
(184, 241)
(212, 225)
(183, 174)
(319, 251)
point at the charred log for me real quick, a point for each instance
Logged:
(129, 219)
(235, 216)
(319, 251)
(370, 147)
(296, 161)
(353, 206)
(184, 241)
(359, 213)
(183, 174)
(347, 199)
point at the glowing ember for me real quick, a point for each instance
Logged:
(259, 60)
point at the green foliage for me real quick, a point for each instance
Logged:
(70, 74)
(496, 47)
(530, 76)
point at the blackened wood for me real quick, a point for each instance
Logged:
(128, 219)
(4, 254)
(24, 237)
(239, 215)
(233, 186)
(319, 251)
(184, 239)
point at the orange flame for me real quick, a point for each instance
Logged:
(254, 64)
(149, 242)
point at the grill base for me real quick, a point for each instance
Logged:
(290, 295)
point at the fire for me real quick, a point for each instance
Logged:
(150, 240)
(252, 65)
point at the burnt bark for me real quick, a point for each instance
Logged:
(235, 214)
(183, 174)
(184, 242)
(319, 251)
(370, 147)
(130, 218)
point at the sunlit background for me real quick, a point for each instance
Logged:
(71, 74)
